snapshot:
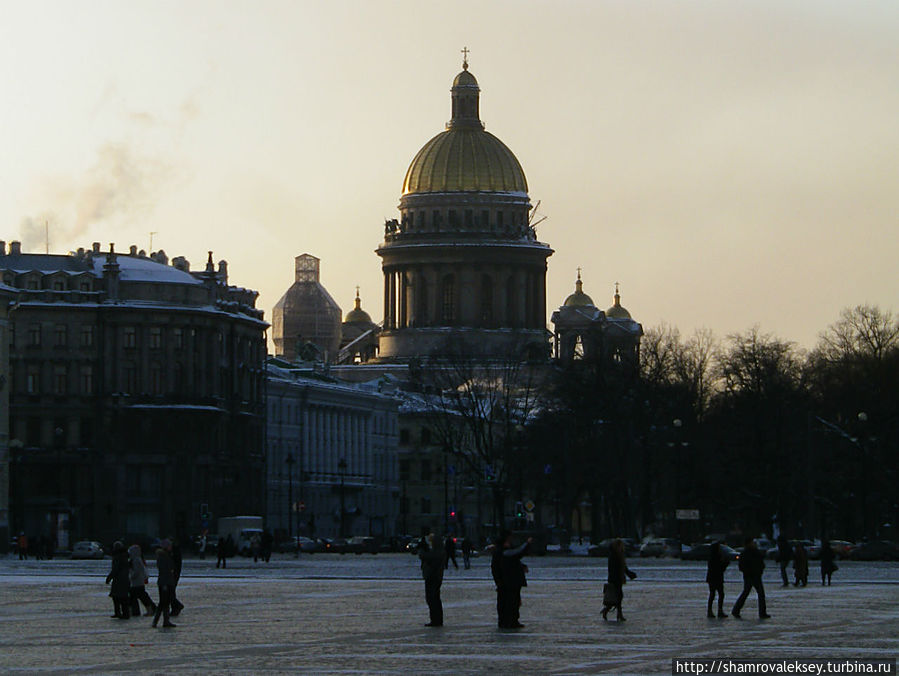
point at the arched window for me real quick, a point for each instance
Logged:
(448, 304)
(486, 301)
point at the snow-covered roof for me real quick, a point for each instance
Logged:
(145, 270)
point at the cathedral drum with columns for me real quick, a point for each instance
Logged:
(463, 270)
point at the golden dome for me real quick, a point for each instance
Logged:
(357, 315)
(616, 311)
(465, 160)
(579, 298)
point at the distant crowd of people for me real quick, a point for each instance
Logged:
(509, 575)
(39, 548)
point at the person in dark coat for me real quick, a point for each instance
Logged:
(509, 576)
(433, 560)
(800, 565)
(715, 577)
(138, 578)
(618, 576)
(828, 567)
(784, 556)
(176, 605)
(752, 564)
(466, 553)
(165, 580)
(121, 582)
(267, 543)
(450, 546)
(225, 550)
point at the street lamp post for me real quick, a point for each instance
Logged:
(341, 468)
(289, 460)
(677, 423)
(862, 419)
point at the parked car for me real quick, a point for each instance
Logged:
(700, 552)
(661, 547)
(362, 544)
(875, 550)
(414, 545)
(87, 549)
(603, 547)
(336, 546)
(809, 545)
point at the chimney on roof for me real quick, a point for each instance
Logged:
(2, 248)
(160, 257)
(132, 250)
(181, 263)
(223, 271)
(15, 248)
(95, 247)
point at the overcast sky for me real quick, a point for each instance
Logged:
(729, 163)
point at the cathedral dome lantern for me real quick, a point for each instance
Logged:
(617, 311)
(463, 256)
(579, 298)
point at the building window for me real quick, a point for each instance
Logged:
(87, 380)
(60, 380)
(404, 469)
(499, 220)
(404, 436)
(452, 218)
(425, 470)
(180, 384)
(426, 505)
(155, 379)
(425, 436)
(32, 285)
(155, 338)
(469, 219)
(178, 338)
(33, 380)
(59, 286)
(12, 336)
(129, 378)
(33, 432)
(87, 432)
(61, 335)
(85, 286)
(34, 335)
(448, 307)
(87, 336)
(129, 337)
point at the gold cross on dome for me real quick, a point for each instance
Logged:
(465, 51)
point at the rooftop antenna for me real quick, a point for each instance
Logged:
(152, 232)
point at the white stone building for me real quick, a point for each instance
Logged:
(331, 449)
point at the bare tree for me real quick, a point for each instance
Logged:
(479, 409)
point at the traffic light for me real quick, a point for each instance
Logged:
(453, 514)
(489, 474)
(519, 509)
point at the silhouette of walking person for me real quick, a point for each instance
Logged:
(751, 565)
(715, 577)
